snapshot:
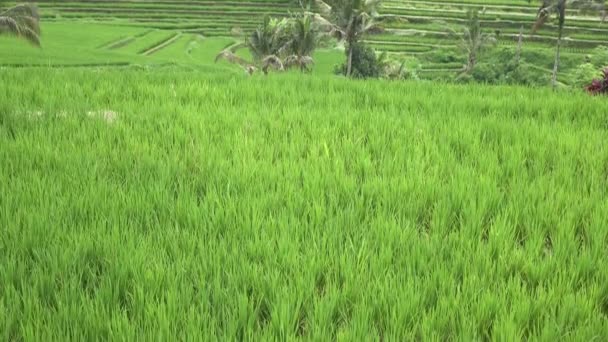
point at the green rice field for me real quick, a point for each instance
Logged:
(150, 193)
(167, 204)
(419, 29)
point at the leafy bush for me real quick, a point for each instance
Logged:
(485, 73)
(525, 73)
(442, 55)
(599, 86)
(364, 64)
(501, 67)
(402, 69)
(579, 78)
(599, 57)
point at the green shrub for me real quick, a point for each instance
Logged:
(364, 64)
(501, 67)
(443, 55)
(581, 76)
(525, 74)
(399, 69)
(599, 57)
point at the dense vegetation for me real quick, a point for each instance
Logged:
(418, 35)
(151, 204)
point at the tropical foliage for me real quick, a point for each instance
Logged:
(277, 45)
(557, 8)
(348, 21)
(21, 21)
(473, 40)
(363, 63)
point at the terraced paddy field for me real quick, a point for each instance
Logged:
(421, 30)
(172, 204)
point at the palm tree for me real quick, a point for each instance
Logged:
(302, 44)
(264, 44)
(21, 21)
(348, 21)
(557, 8)
(276, 44)
(269, 39)
(473, 40)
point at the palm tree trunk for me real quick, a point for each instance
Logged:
(519, 44)
(471, 61)
(556, 63)
(349, 66)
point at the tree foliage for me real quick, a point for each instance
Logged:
(348, 21)
(277, 45)
(364, 63)
(22, 21)
(473, 40)
(557, 8)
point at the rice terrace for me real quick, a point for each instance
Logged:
(278, 170)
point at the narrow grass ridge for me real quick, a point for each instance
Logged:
(161, 45)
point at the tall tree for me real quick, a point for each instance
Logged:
(473, 40)
(349, 21)
(22, 21)
(557, 8)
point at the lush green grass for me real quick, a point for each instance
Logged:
(68, 43)
(217, 206)
(98, 44)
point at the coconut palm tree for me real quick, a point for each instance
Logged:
(302, 44)
(269, 39)
(21, 21)
(473, 40)
(264, 44)
(276, 45)
(557, 8)
(348, 21)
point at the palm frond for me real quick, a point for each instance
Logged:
(22, 10)
(234, 48)
(372, 7)
(558, 8)
(541, 19)
(9, 25)
(324, 9)
(273, 62)
(302, 62)
(22, 21)
(30, 35)
(229, 56)
(322, 23)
